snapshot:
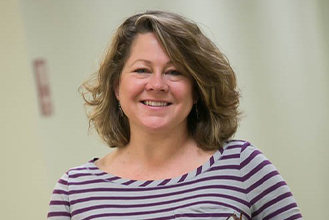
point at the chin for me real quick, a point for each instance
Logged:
(155, 125)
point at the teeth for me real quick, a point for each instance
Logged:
(156, 104)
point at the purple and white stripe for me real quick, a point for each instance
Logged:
(236, 179)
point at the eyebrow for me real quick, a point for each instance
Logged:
(147, 61)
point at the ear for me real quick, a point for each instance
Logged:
(116, 90)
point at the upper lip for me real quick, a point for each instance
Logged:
(153, 100)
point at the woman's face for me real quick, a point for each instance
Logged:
(153, 93)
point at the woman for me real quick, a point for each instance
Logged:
(166, 99)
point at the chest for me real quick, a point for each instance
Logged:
(205, 199)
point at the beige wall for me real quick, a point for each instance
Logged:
(24, 186)
(278, 48)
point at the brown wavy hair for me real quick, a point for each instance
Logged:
(213, 119)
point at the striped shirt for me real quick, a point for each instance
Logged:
(237, 180)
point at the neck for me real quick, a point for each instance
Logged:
(158, 148)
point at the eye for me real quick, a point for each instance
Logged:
(141, 70)
(174, 72)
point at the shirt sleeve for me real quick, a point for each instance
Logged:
(268, 194)
(59, 207)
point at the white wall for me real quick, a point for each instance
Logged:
(278, 48)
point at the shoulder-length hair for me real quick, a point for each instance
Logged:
(214, 118)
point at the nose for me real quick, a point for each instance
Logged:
(157, 82)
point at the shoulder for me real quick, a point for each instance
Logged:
(79, 172)
(247, 154)
(241, 147)
(256, 171)
(236, 144)
(81, 168)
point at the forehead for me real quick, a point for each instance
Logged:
(145, 39)
(147, 45)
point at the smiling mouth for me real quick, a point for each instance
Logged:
(156, 104)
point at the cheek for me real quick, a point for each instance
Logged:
(129, 89)
(185, 91)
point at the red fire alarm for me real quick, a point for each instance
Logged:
(43, 87)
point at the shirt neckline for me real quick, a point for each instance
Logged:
(108, 177)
